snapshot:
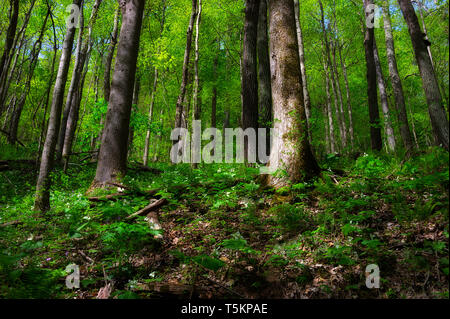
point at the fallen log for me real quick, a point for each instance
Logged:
(114, 196)
(149, 208)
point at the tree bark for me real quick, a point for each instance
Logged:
(302, 67)
(112, 157)
(332, 78)
(14, 124)
(150, 118)
(396, 81)
(42, 201)
(438, 117)
(197, 104)
(184, 77)
(249, 82)
(349, 103)
(264, 87)
(291, 150)
(374, 116)
(72, 120)
(388, 130)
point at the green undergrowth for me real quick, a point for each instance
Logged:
(230, 236)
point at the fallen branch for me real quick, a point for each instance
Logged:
(12, 223)
(149, 208)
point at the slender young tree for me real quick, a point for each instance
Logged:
(438, 117)
(112, 159)
(291, 151)
(395, 80)
(388, 129)
(185, 73)
(371, 74)
(42, 201)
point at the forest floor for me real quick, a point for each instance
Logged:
(225, 236)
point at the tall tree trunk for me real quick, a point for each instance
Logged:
(303, 67)
(72, 119)
(374, 115)
(396, 81)
(388, 130)
(42, 201)
(291, 149)
(264, 87)
(197, 104)
(184, 77)
(249, 82)
(332, 77)
(150, 118)
(438, 117)
(14, 125)
(112, 159)
(107, 73)
(329, 111)
(349, 103)
(110, 56)
(214, 91)
(135, 108)
(10, 36)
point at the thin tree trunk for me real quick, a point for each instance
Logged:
(14, 125)
(42, 201)
(150, 118)
(264, 88)
(184, 78)
(374, 116)
(388, 130)
(303, 67)
(438, 117)
(112, 159)
(332, 77)
(396, 81)
(197, 106)
(291, 149)
(349, 104)
(135, 108)
(329, 108)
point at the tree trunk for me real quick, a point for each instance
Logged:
(184, 78)
(72, 120)
(42, 201)
(197, 104)
(349, 104)
(396, 81)
(150, 118)
(438, 117)
(112, 159)
(302, 67)
(374, 116)
(329, 111)
(249, 72)
(264, 87)
(10, 36)
(135, 108)
(291, 149)
(388, 130)
(14, 125)
(110, 56)
(332, 78)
